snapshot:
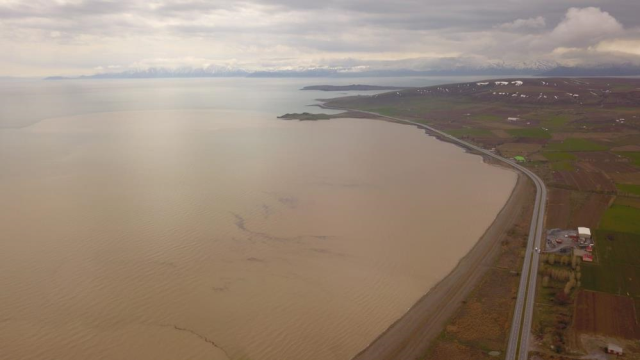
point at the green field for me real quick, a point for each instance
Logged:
(618, 267)
(629, 189)
(486, 118)
(530, 133)
(575, 145)
(562, 165)
(388, 111)
(634, 156)
(470, 132)
(560, 160)
(559, 156)
(555, 121)
(621, 218)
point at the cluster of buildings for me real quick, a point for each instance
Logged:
(585, 242)
(577, 240)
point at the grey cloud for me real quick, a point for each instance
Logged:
(524, 24)
(257, 31)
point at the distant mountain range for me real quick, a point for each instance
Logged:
(593, 71)
(494, 69)
(353, 87)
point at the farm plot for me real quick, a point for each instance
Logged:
(614, 167)
(530, 133)
(622, 218)
(627, 148)
(558, 208)
(605, 314)
(573, 144)
(599, 156)
(591, 211)
(512, 149)
(628, 201)
(617, 270)
(626, 178)
(633, 156)
(584, 181)
(628, 189)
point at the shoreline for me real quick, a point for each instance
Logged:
(411, 335)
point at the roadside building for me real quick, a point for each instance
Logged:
(614, 349)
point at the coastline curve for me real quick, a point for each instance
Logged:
(410, 336)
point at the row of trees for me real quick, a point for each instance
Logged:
(563, 260)
(550, 272)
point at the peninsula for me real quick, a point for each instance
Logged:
(352, 87)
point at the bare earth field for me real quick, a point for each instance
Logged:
(583, 181)
(558, 210)
(591, 211)
(601, 313)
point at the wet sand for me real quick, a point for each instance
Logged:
(222, 235)
(411, 335)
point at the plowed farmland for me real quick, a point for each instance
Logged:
(605, 314)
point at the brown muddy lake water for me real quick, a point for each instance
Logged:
(187, 232)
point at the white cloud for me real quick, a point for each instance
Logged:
(626, 46)
(582, 27)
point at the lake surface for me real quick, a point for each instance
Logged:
(179, 219)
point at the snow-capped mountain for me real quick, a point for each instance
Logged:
(448, 67)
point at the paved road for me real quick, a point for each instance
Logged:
(518, 346)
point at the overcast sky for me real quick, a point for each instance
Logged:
(74, 37)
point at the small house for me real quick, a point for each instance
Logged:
(614, 349)
(519, 158)
(513, 119)
(587, 257)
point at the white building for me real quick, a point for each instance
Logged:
(584, 233)
(614, 349)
